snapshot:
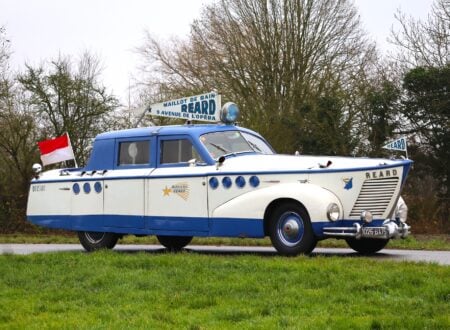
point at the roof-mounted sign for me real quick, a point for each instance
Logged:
(204, 107)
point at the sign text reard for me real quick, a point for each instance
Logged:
(202, 107)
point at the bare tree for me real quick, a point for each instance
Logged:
(423, 55)
(69, 98)
(279, 60)
(5, 53)
(18, 136)
(424, 43)
(4, 47)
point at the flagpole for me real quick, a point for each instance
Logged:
(70, 142)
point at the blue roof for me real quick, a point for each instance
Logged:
(104, 151)
(193, 130)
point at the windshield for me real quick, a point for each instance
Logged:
(232, 142)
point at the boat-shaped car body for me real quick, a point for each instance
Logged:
(220, 180)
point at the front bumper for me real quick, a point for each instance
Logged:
(389, 229)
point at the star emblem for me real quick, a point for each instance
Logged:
(166, 191)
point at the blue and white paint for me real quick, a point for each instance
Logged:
(205, 196)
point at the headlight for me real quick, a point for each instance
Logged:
(333, 212)
(366, 216)
(401, 211)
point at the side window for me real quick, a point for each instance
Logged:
(134, 153)
(178, 151)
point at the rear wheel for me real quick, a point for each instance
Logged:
(174, 243)
(92, 240)
(291, 231)
(367, 245)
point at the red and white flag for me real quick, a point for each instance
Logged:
(56, 150)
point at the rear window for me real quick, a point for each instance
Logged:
(134, 153)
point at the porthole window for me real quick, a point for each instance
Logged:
(76, 188)
(213, 183)
(226, 181)
(254, 181)
(240, 181)
(87, 188)
(98, 187)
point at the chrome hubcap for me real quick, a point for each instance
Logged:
(94, 237)
(290, 228)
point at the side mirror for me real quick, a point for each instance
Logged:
(219, 162)
(37, 169)
(327, 165)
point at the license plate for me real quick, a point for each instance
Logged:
(374, 232)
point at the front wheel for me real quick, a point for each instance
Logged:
(290, 230)
(93, 241)
(174, 243)
(367, 245)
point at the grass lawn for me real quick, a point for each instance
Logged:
(189, 290)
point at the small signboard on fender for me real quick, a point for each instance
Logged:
(399, 144)
(204, 107)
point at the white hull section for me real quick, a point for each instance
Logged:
(190, 192)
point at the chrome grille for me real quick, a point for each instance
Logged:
(375, 196)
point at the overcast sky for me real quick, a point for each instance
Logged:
(111, 29)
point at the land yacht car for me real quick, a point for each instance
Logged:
(222, 180)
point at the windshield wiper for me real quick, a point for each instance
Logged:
(254, 146)
(220, 148)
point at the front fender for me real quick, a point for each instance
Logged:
(253, 204)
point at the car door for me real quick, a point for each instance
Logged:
(177, 191)
(124, 187)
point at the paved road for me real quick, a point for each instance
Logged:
(440, 257)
